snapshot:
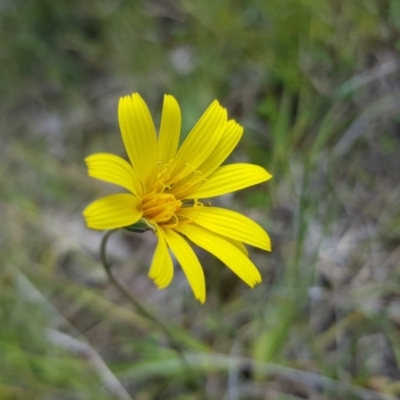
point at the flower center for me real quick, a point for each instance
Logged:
(161, 208)
(161, 203)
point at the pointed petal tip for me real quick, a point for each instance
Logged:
(256, 280)
(156, 279)
(86, 211)
(267, 245)
(268, 176)
(128, 97)
(222, 109)
(90, 226)
(160, 283)
(122, 99)
(92, 156)
(88, 220)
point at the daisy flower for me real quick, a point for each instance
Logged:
(165, 183)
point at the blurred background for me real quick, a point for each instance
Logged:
(316, 84)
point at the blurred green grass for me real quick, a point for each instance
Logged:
(316, 86)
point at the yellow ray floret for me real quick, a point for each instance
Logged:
(165, 183)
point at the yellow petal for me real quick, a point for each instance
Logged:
(115, 211)
(229, 223)
(239, 245)
(229, 254)
(229, 178)
(200, 142)
(162, 269)
(225, 146)
(230, 138)
(170, 129)
(114, 169)
(139, 136)
(189, 263)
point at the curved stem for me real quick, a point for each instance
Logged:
(142, 310)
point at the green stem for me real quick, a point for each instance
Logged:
(136, 303)
(139, 307)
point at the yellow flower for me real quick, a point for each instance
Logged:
(165, 183)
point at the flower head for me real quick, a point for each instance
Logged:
(165, 184)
